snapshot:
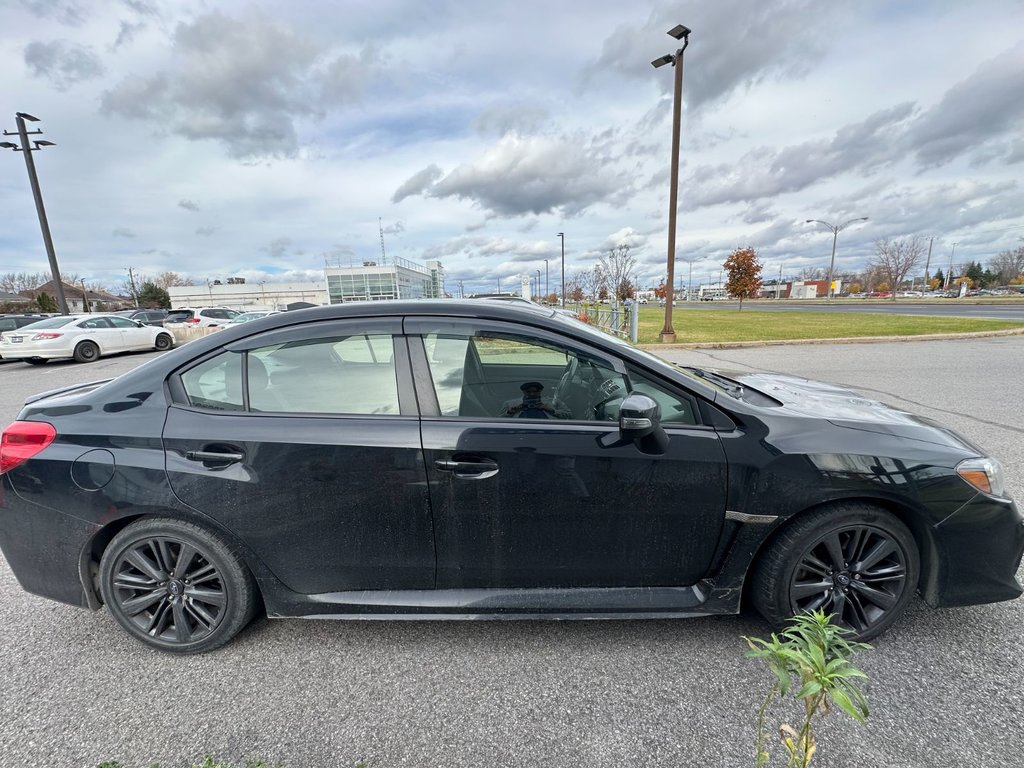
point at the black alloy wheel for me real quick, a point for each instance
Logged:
(86, 352)
(855, 562)
(176, 586)
(164, 342)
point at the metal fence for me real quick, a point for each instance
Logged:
(620, 320)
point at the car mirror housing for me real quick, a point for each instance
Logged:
(640, 422)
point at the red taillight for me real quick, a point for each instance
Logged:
(193, 320)
(40, 336)
(22, 440)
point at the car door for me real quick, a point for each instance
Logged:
(551, 500)
(102, 331)
(132, 335)
(304, 442)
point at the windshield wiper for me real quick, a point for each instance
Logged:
(731, 387)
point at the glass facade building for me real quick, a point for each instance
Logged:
(381, 282)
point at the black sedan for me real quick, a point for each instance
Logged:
(453, 460)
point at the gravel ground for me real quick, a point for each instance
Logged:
(945, 685)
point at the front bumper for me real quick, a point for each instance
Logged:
(979, 551)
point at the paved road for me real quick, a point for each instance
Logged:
(933, 307)
(945, 685)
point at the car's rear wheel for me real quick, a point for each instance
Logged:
(176, 586)
(855, 561)
(164, 342)
(86, 352)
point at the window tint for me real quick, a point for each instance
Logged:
(95, 322)
(7, 324)
(121, 322)
(491, 376)
(353, 374)
(216, 383)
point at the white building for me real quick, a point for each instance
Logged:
(245, 296)
(401, 279)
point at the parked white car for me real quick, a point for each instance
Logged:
(81, 337)
(201, 317)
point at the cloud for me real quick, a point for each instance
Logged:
(984, 106)
(126, 33)
(736, 45)
(63, 63)
(520, 117)
(244, 82)
(123, 232)
(206, 231)
(188, 205)
(417, 183)
(67, 12)
(278, 247)
(532, 175)
(764, 172)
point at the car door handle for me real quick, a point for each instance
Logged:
(477, 469)
(214, 456)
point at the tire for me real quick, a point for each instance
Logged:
(87, 352)
(36, 360)
(164, 342)
(153, 594)
(855, 561)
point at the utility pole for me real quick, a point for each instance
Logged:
(949, 272)
(85, 297)
(33, 179)
(928, 262)
(562, 236)
(131, 282)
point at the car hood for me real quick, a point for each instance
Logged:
(849, 409)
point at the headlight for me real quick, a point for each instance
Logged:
(984, 474)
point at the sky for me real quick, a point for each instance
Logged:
(265, 140)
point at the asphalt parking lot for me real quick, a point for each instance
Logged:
(945, 685)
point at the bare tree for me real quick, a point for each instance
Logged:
(574, 290)
(15, 282)
(894, 259)
(167, 280)
(1008, 265)
(812, 273)
(592, 281)
(617, 266)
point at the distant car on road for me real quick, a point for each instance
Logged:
(472, 459)
(83, 338)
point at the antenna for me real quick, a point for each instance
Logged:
(383, 256)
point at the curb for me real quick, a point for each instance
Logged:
(845, 340)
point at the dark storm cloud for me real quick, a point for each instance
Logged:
(985, 106)
(533, 175)
(63, 63)
(243, 82)
(734, 45)
(417, 183)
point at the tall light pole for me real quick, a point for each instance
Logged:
(547, 286)
(538, 283)
(836, 229)
(85, 297)
(689, 280)
(949, 271)
(561, 235)
(33, 179)
(679, 32)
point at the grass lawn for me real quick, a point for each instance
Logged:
(712, 325)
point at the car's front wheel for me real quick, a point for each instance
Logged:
(164, 342)
(176, 586)
(854, 561)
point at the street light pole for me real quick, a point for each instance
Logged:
(33, 179)
(547, 286)
(85, 298)
(949, 271)
(561, 235)
(679, 32)
(538, 283)
(836, 229)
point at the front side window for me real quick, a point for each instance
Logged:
(94, 323)
(510, 377)
(122, 322)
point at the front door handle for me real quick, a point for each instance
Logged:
(475, 469)
(225, 457)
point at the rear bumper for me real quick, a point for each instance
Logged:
(980, 550)
(44, 547)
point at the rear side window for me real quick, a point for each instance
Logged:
(216, 383)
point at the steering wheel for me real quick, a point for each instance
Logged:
(570, 373)
(608, 391)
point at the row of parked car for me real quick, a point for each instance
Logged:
(38, 338)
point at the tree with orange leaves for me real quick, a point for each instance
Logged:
(744, 274)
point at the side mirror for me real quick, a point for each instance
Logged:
(640, 422)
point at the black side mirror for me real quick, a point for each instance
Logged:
(640, 422)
